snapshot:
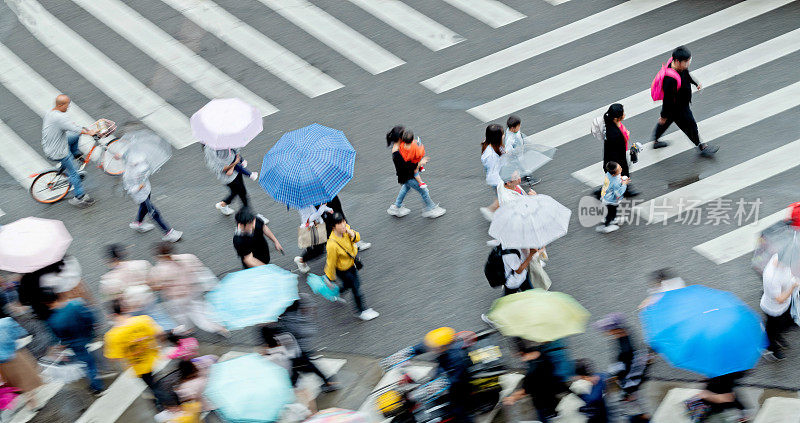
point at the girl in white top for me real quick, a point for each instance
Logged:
(492, 150)
(779, 285)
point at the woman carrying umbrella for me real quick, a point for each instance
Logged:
(136, 181)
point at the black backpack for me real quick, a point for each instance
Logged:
(494, 269)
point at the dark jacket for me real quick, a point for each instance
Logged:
(405, 170)
(675, 99)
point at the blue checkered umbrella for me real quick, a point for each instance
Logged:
(308, 166)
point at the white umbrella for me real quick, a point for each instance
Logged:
(530, 222)
(226, 123)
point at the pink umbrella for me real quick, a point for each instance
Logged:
(338, 415)
(32, 243)
(226, 123)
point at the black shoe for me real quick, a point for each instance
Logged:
(660, 144)
(708, 150)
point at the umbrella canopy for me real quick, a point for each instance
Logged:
(539, 315)
(252, 296)
(249, 389)
(704, 330)
(226, 123)
(308, 166)
(338, 415)
(525, 161)
(146, 144)
(530, 222)
(783, 239)
(32, 243)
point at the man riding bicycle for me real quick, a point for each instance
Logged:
(452, 372)
(60, 143)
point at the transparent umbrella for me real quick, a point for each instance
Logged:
(530, 222)
(155, 150)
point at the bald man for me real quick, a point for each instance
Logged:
(60, 141)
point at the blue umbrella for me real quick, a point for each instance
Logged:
(704, 330)
(249, 389)
(308, 166)
(252, 296)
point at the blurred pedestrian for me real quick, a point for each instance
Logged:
(717, 397)
(136, 181)
(515, 141)
(124, 273)
(60, 143)
(540, 382)
(662, 280)
(134, 341)
(192, 382)
(17, 366)
(177, 411)
(175, 277)
(515, 263)
(614, 187)
(492, 148)
(405, 176)
(73, 323)
(249, 239)
(342, 263)
(675, 106)
(224, 165)
(64, 277)
(595, 409)
(779, 285)
(617, 139)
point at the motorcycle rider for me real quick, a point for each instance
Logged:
(451, 373)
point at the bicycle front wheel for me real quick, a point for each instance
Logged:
(112, 157)
(50, 187)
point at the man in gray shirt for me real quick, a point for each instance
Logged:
(60, 141)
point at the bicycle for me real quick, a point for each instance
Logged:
(51, 186)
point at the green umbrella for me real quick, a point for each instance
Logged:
(539, 315)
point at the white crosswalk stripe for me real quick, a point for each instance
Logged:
(622, 59)
(490, 12)
(336, 35)
(104, 73)
(171, 54)
(541, 44)
(709, 75)
(18, 159)
(410, 22)
(738, 242)
(556, 2)
(257, 47)
(720, 184)
(711, 129)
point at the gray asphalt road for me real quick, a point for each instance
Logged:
(420, 273)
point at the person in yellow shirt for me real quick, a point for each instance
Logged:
(133, 340)
(342, 262)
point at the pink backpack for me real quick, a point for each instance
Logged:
(657, 87)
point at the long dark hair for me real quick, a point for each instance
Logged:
(494, 137)
(394, 135)
(30, 289)
(615, 111)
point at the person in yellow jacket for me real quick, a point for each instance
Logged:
(341, 262)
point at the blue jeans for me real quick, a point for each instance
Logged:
(82, 354)
(68, 164)
(413, 184)
(147, 206)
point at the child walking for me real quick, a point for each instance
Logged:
(136, 181)
(614, 187)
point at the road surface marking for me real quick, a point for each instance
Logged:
(18, 158)
(170, 53)
(543, 43)
(408, 21)
(104, 73)
(720, 184)
(738, 242)
(712, 128)
(490, 12)
(336, 35)
(622, 59)
(710, 74)
(257, 47)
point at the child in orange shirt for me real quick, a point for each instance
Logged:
(413, 151)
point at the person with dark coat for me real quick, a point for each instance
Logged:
(615, 146)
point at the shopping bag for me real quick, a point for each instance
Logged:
(309, 236)
(320, 286)
(539, 278)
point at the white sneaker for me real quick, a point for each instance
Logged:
(254, 176)
(398, 211)
(492, 243)
(434, 212)
(606, 229)
(172, 236)
(368, 315)
(302, 267)
(141, 227)
(361, 245)
(340, 301)
(487, 214)
(616, 221)
(226, 210)
(244, 163)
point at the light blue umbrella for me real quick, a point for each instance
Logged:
(252, 296)
(249, 389)
(704, 330)
(308, 166)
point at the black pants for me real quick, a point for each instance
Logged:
(155, 388)
(460, 404)
(685, 120)
(775, 325)
(351, 281)
(237, 190)
(303, 364)
(313, 252)
(612, 213)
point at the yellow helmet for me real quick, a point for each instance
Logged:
(440, 337)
